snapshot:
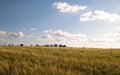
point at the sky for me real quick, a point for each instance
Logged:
(75, 23)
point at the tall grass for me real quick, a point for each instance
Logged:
(58, 61)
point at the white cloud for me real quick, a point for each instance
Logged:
(17, 35)
(113, 34)
(50, 31)
(103, 42)
(30, 36)
(64, 7)
(60, 33)
(32, 29)
(99, 15)
(46, 36)
(79, 40)
(3, 33)
(33, 35)
(3, 42)
(79, 35)
(112, 37)
(108, 38)
(60, 39)
(118, 28)
(99, 40)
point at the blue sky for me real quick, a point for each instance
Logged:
(90, 23)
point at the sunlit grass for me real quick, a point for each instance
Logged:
(58, 61)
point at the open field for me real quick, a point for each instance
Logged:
(58, 61)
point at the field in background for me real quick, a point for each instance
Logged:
(58, 61)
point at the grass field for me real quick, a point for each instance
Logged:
(58, 61)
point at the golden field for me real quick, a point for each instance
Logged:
(58, 61)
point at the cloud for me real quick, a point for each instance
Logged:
(30, 36)
(112, 35)
(32, 29)
(118, 28)
(60, 39)
(33, 35)
(61, 33)
(108, 38)
(58, 33)
(50, 31)
(64, 7)
(3, 33)
(46, 36)
(99, 15)
(17, 35)
(3, 42)
(98, 40)
(79, 35)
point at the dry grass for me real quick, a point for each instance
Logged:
(58, 61)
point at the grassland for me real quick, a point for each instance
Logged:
(58, 61)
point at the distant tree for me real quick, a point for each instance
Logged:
(21, 44)
(64, 46)
(60, 45)
(12, 44)
(9, 45)
(46, 45)
(55, 45)
(37, 45)
(51, 45)
(83, 48)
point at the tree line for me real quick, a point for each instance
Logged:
(47, 45)
(55, 45)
